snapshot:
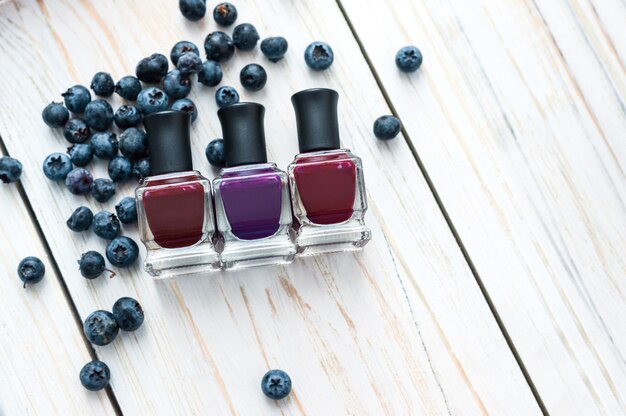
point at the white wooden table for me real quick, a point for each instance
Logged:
(495, 282)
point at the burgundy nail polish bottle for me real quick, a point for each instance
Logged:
(253, 209)
(174, 203)
(327, 186)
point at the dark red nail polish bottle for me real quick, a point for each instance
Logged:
(174, 203)
(327, 186)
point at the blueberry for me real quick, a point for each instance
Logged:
(127, 210)
(225, 14)
(102, 189)
(128, 314)
(152, 69)
(245, 36)
(104, 145)
(81, 154)
(10, 169)
(91, 265)
(78, 181)
(141, 168)
(106, 225)
(55, 115)
(127, 116)
(128, 87)
(193, 10)
(134, 143)
(218, 46)
(95, 375)
(189, 63)
(215, 153)
(56, 166)
(102, 84)
(182, 47)
(319, 56)
(80, 220)
(120, 169)
(76, 130)
(186, 105)
(253, 77)
(274, 48)
(225, 96)
(176, 85)
(100, 327)
(409, 59)
(211, 74)
(122, 252)
(31, 270)
(99, 115)
(276, 384)
(386, 127)
(77, 98)
(151, 100)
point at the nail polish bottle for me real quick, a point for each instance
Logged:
(174, 203)
(327, 187)
(252, 205)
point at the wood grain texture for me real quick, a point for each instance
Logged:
(401, 328)
(518, 116)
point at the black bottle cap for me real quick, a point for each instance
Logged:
(243, 133)
(316, 117)
(168, 141)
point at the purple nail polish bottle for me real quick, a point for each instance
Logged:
(251, 195)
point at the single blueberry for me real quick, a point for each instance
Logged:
(10, 169)
(128, 314)
(186, 105)
(78, 181)
(56, 166)
(31, 270)
(106, 225)
(189, 63)
(102, 189)
(319, 56)
(225, 14)
(276, 384)
(387, 127)
(76, 130)
(176, 85)
(253, 77)
(182, 47)
(141, 168)
(80, 220)
(215, 153)
(274, 48)
(81, 154)
(152, 69)
(95, 375)
(409, 59)
(120, 169)
(55, 115)
(122, 252)
(245, 36)
(218, 46)
(100, 327)
(99, 115)
(225, 96)
(127, 116)
(91, 265)
(104, 145)
(151, 100)
(211, 74)
(76, 98)
(193, 10)
(126, 210)
(102, 84)
(128, 87)
(134, 143)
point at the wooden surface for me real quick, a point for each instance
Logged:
(495, 279)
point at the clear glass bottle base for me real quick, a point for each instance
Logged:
(316, 239)
(167, 263)
(240, 254)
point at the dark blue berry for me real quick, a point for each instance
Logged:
(56, 166)
(276, 384)
(152, 69)
(253, 77)
(128, 87)
(31, 270)
(102, 84)
(186, 105)
(128, 314)
(126, 210)
(225, 96)
(104, 145)
(225, 14)
(55, 115)
(176, 85)
(215, 153)
(141, 168)
(274, 48)
(91, 265)
(81, 154)
(386, 127)
(319, 56)
(102, 189)
(127, 116)
(106, 225)
(99, 115)
(245, 36)
(134, 143)
(76, 98)
(95, 375)
(193, 10)
(10, 169)
(211, 74)
(120, 169)
(189, 63)
(80, 220)
(409, 59)
(79, 181)
(182, 47)
(122, 252)
(151, 100)
(76, 130)
(218, 46)
(100, 328)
